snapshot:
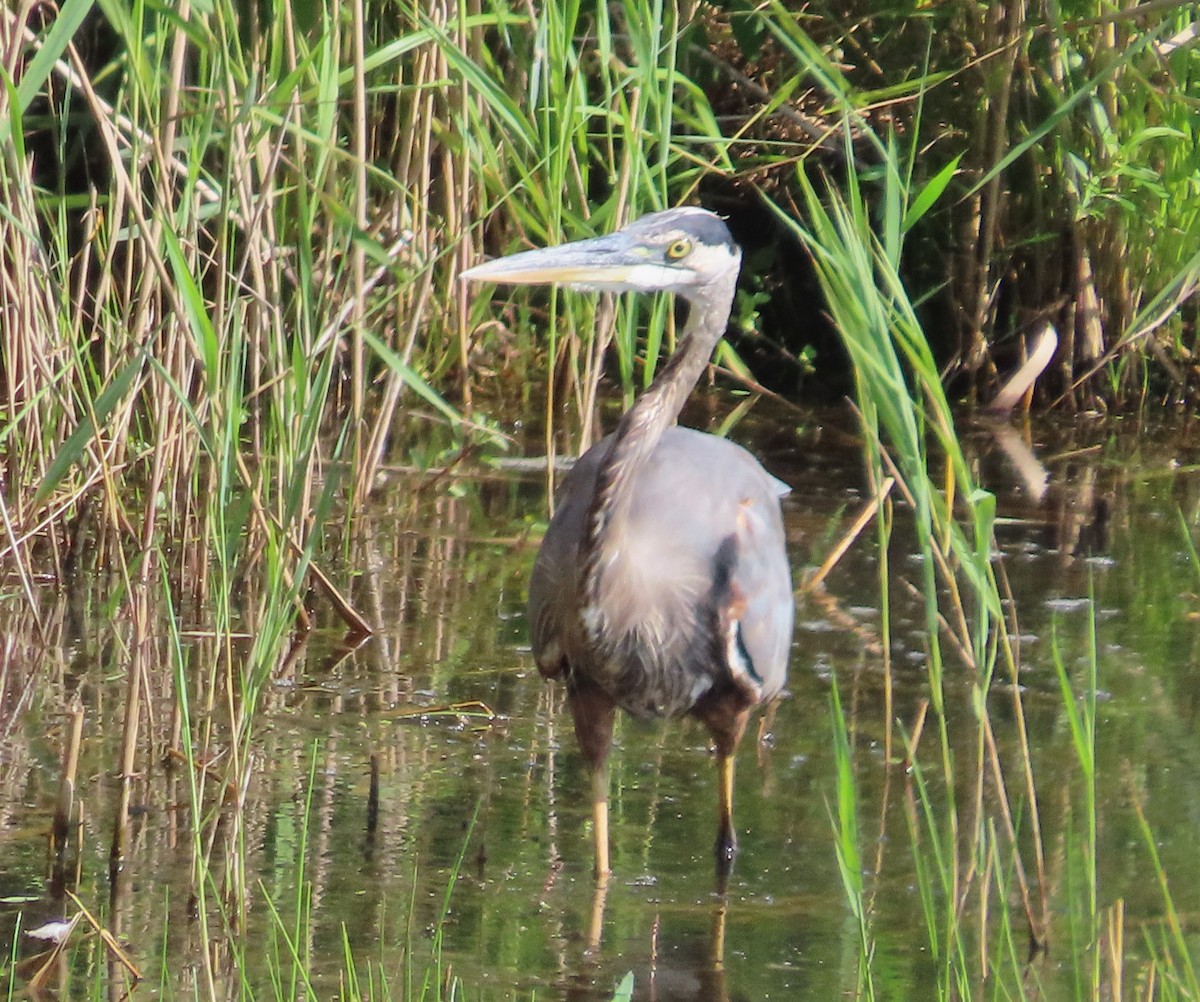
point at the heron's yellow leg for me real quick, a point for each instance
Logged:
(600, 819)
(593, 711)
(726, 839)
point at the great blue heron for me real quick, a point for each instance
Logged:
(662, 585)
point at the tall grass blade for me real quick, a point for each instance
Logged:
(88, 431)
(47, 51)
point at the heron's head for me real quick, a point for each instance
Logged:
(688, 251)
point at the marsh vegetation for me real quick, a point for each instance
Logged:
(248, 415)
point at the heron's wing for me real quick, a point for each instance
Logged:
(553, 608)
(756, 609)
(707, 541)
(702, 539)
(778, 487)
(651, 578)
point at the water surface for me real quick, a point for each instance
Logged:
(477, 866)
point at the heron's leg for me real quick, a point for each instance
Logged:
(593, 712)
(726, 722)
(600, 819)
(726, 847)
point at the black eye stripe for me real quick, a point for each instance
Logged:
(701, 227)
(706, 228)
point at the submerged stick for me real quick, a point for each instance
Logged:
(851, 534)
(133, 710)
(373, 798)
(351, 616)
(65, 808)
(110, 941)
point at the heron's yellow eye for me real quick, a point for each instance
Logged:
(679, 249)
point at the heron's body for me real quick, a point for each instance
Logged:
(669, 621)
(662, 585)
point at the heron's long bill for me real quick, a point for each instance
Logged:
(613, 263)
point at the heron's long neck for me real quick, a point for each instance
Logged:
(652, 414)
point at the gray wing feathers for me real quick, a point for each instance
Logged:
(657, 575)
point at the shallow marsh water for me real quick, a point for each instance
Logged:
(479, 776)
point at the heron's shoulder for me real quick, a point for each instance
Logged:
(705, 473)
(682, 454)
(715, 458)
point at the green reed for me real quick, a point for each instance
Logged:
(252, 201)
(987, 895)
(242, 310)
(846, 847)
(578, 102)
(960, 847)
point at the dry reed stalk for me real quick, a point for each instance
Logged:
(133, 682)
(35, 355)
(587, 389)
(1082, 338)
(885, 801)
(868, 512)
(23, 570)
(147, 291)
(1039, 925)
(110, 942)
(65, 808)
(1032, 808)
(151, 293)
(354, 620)
(1113, 946)
(418, 159)
(463, 193)
(960, 633)
(884, 523)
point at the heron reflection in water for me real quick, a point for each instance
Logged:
(662, 585)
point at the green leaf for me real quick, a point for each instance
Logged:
(70, 16)
(929, 194)
(208, 347)
(82, 437)
(411, 378)
(13, 126)
(624, 990)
